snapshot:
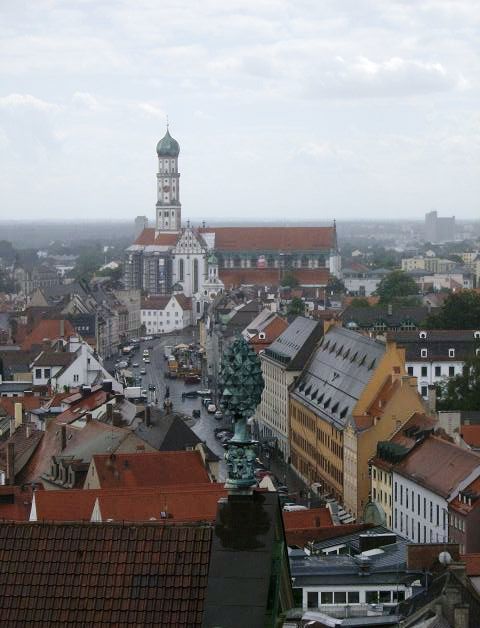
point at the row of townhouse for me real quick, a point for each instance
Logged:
(328, 400)
(426, 487)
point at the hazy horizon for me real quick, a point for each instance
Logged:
(285, 109)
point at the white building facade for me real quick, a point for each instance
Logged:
(163, 315)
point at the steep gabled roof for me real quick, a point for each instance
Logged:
(82, 574)
(150, 469)
(236, 277)
(50, 330)
(148, 237)
(272, 238)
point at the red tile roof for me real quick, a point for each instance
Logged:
(147, 237)
(234, 277)
(472, 562)
(83, 574)
(438, 465)
(313, 518)
(183, 502)
(300, 538)
(179, 503)
(15, 502)
(155, 303)
(48, 329)
(272, 238)
(150, 469)
(184, 302)
(471, 435)
(462, 507)
(29, 402)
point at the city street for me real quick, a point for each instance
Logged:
(155, 374)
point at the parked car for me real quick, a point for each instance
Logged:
(151, 387)
(204, 392)
(189, 394)
(135, 365)
(206, 402)
(291, 507)
(219, 415)
(192, 379)
(211, 408)
(196, 414)
(144, 392)
(143, 371)
(146, 360)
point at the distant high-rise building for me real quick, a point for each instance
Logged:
(438, 230)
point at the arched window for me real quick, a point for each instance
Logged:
(195, 276)
(181, 270)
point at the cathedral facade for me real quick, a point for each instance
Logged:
(201, 262)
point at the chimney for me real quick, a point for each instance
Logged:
(63, 436)
(432, 398)
(86, 390)
(18, 415)
(110, 413)
(148, 421)
(10, 463)
(461, 616)
(12, 426)
(117, 418)
(107, 385)
(62, 328)
(88, 417)
(28, 430)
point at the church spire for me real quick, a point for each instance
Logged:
(168, 208)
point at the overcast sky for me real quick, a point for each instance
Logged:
(308, 109)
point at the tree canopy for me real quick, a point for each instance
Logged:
(460, 310)
(396, 285)
(296, 307)
(359, 302)
(335, 285)
(461, 392)
(289, 280)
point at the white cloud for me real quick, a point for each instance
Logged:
(27, 101)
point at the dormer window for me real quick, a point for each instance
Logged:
(422, 334)
(451, 353)
(423, 353)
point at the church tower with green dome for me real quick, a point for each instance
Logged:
(168, 208)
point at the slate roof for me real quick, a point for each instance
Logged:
(103, 574)
(293, 347)
(337, 373)
(437, 343)
(272, 238)
(150, 469)
(367, 317)
(54, 358)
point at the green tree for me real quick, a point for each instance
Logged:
(460, 310)
(461, 392)
(395, 286)
(335, 285)
(296, 307)
(289, 280)
(359, 302)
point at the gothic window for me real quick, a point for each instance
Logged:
(181, 270)
(195, 276)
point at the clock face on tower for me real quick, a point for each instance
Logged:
(166, 188)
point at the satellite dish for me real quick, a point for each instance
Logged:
(444, 558)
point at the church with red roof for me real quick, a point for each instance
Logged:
(202, 262)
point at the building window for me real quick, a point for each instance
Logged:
(46, 373)
(438, 371)
(327, 597)
(340, 597)
(451, 353)
(424, 371)
(371, 597)
(424, 391)
(38, 373)
(312, 599)
(181, 270)
(410, 370)
(451, 371)
(353, 597)
(75, 377)
(195, 276)
(423, 353)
